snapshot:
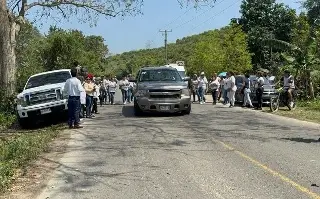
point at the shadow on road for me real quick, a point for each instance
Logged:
(303, 140)
(127, 111)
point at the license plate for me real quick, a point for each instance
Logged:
(164, 108)
(45, 111)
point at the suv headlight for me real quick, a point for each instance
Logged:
(185, 92)
(140, 93)
(21, 101)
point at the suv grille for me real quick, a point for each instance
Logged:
(43, 96)
(165, 93)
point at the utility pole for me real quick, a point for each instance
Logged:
(166, 43)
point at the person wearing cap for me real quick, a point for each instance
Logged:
(288, 85)
(202, 87)
(73, 88)
(89, 87)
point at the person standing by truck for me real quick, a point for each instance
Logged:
(73, 88)
(89, 88)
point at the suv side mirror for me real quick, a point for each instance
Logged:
(186, 79)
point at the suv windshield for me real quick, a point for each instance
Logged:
(50, 78)
(159, 75)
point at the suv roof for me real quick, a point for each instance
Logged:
(157, 68)
(53, 71)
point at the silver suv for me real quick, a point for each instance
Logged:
(161, 89)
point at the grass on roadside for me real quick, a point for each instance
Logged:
(19, 149)
(6, 120)
(306, 110)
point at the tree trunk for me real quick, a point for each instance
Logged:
(8, 31)
(311, 89)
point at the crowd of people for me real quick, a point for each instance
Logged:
(86, 92)
(225, 87)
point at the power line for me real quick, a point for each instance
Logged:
(166, 43)
(212, 17)
(198, 15)
(176, 19)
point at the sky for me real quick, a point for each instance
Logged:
(138, 32)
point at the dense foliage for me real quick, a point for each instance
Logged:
(211, 51)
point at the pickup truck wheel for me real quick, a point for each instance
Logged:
(136, 110)
(24, 123)
(188, 111)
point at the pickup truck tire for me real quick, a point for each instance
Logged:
(137, 110)
(24, 123)
(188, 111)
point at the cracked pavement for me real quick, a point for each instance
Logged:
(215, 152)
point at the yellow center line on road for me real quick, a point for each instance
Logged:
(269, 170)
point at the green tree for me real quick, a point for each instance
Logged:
(265, 19)
(222, 50)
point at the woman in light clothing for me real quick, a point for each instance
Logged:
(214, 85)
(89, 87)
(247, 90)
(194, 88)
(232, 88)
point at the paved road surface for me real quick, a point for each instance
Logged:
(204, 155)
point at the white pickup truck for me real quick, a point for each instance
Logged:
(42, 95)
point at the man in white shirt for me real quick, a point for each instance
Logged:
(288, 86)
(73, 88)
(202, 87)
(124, 86)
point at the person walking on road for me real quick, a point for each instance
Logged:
(246, 91)
(124, 86)
(231, 88)
(112, 87)
(73, 88)
(202, 87)
(214, 85)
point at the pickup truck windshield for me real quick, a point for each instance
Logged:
(50, 78)
(159, 75)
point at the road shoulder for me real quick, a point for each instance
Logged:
(31, 180)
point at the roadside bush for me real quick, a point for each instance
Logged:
(7, 110)
(17, 151)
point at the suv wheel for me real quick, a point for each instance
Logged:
(137, 110)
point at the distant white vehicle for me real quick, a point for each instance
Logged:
(181, 69)
(43, 94)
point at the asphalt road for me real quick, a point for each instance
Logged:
(216, 152)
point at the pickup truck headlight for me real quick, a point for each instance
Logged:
(21, 101)
(140, 93)
(185, 92)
